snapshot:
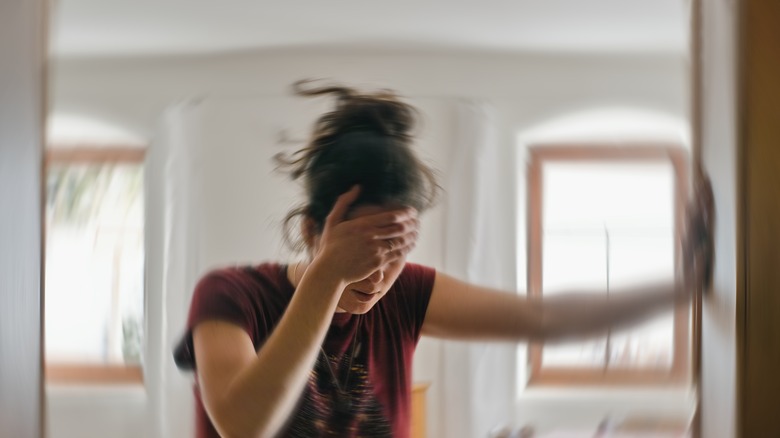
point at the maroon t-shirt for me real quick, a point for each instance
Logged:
(379, 346)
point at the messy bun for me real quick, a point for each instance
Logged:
(367, 140)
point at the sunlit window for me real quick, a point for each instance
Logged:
(602, 221)
(94, 298)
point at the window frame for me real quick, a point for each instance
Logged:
(84, 373)
(596, 152)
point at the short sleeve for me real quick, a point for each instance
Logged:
(414, 288)
(216, 297)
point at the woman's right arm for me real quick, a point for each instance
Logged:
(252, 394)
(249, 394)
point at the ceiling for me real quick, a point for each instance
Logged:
(153, 27)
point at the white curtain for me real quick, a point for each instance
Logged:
(477, 381)
(209, 170)
(172, 267)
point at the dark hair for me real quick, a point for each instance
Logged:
(367, 140)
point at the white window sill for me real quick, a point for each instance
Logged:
(72, 391)
(547, 409)
(593, 392)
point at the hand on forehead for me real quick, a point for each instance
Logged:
(373, 209)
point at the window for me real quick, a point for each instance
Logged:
(600, 220)
(94, 265)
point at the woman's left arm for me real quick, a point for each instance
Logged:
(464, 311)
(459, 310)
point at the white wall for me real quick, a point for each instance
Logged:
(132, 92)
(526, 90)
(96, 412)
(22, 106)
(718, 140)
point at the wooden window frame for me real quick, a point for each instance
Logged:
(79, 373)
(580, 153)
(94, 154)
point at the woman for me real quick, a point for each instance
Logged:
(324, 347)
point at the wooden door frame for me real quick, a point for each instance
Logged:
(758, 217)
(758, 209)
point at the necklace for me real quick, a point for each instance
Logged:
(343, 398)
(295, 274)
(343, 403)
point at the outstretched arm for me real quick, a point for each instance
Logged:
(464, 311)
(459, 310)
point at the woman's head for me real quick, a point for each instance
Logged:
(365, 140)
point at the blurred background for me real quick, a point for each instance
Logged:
(560, 130)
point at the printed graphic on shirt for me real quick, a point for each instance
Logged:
(326, 412)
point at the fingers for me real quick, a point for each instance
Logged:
(397, 230)
(400, 247)
(704, 193)
(408, 240)
(706, 224)
(389, 250)
(382, 238)
(339, 212)
(388, 225)
(388, 218)
(703, 206)
(698, 247)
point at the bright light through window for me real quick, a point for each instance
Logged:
(94, 263)
(608, 226)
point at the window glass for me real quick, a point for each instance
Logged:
(608, 226)
(94, 263)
